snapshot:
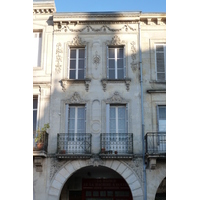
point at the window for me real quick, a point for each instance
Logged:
(77, 63)
(37, 47)
(75, 119)
(117, 119)
(161, 118)
(160, 61)
(35, 112)
(116, 68)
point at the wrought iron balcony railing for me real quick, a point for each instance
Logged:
(69, 144)
(40, 142)
(155, 143)
(116, 143)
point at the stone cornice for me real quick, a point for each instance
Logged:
(43, 7)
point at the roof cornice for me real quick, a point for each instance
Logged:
(43, 7)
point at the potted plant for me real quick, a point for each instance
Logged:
(103, 150)
(39, 140)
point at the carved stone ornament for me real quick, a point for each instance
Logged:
(116, 98)
(127, 82)
(55, 165)
(95, 161)
(65, 85)
(75, 99)
(96, 59)
(116, 41)
(89, 28)
(77, 42)
(58, 57)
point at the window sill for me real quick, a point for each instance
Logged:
(105, 81)
(66, 82)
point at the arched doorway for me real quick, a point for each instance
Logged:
(96, 183)
(71, 167)
(161, 192)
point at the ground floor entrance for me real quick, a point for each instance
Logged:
(96, 183)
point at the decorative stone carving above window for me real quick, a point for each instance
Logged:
(116, 41)
(76, 98)
(105, 81)
(66, 82)
(116, 98)
(77, 42)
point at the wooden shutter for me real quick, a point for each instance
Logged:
(160, 62)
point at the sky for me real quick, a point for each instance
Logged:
(110, 5)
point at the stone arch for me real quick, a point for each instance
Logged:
(69, 168)
(156, 178)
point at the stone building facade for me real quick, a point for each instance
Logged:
(99, 81)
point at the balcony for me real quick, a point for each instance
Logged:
(74, 145)
(40, 143)
(116, 145)
(155, 144)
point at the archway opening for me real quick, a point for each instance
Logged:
(161, 192)
(96, 183)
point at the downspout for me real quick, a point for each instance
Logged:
(142, 112)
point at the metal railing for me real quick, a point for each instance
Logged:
(155, 142)
(116, 143)
(74, 143)
(40, 141)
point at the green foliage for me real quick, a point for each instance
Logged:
(41, 132)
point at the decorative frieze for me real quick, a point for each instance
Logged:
(77, 42)
(66, 28)
(116, 98)
(43, 11)
(134, 66)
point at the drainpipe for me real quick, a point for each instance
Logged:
(142, 112)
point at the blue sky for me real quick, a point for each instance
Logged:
(110, 5)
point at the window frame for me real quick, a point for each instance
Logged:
(117, 118)
(37, 109)
(116, 47)
(156, 65)
(158, 117)
(77, 59)
(39, 48)
(67, 108)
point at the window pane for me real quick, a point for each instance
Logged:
(71, 113)
(159, 48)
(81, 64)
(71, 125)
(112, 74)
(120, 53)
(72, 74)
(73, 53)
(112, 113)
(120, 63)
(111, 63)
(162, 113)
(81, 53)
(81, 113)
(34, 120)
(80, 74)
(35, 101)
(111, 53)
(72, 64)
(120, 73)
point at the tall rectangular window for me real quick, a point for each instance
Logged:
(37, 48)
(75, 119)
(116, 63)
(35, 112)
(77, 63)
(161, 61)
(117, 119)
(161, 118)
